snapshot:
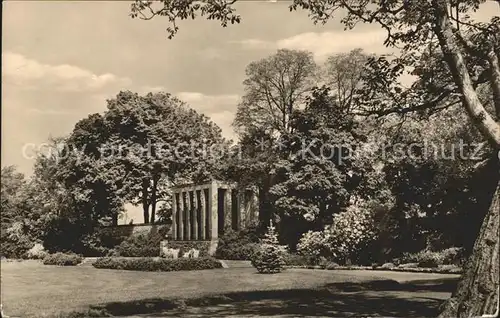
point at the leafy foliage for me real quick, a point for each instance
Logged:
(183, 10)
(62, 259)
(426, 258)
(274, 88)
(37, 252)
(237, 245)
(16, 242)
(143, 245)
(312, 245)
(134, 152)
(351, 233)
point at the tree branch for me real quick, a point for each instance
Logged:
(495, 80)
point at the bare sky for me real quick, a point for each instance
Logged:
(61, 60)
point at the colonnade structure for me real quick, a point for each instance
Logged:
(203, 212)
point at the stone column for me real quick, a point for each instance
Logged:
(180, 235)
(194, 236)
(242, 217)
(212, 204)
(174, 216)
(254, 206)
(251, 206)
(188, 215)
(203, 211)
(228, 211)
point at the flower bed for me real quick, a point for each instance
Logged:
(151, 264)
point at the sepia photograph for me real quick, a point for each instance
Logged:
(250, 158)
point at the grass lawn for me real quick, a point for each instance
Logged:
(30, 289)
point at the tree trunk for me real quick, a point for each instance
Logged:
(495, 79)
(153, 199)
(443, 29)
(478, 291)
(114, 220)
(145, 203)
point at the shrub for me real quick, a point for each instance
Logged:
(407, 258)
(37, 252)
(408, 265)
(434, 259)
(236, 251)
(296, 260)
(63, 235)
(143, 245)
(428, 262)
(332, 265)
(352, 231)
(15, 241)
(235, 245)
(312, 245)
(62, 259)
(324, 263)
(268, 258)
(388, 265)
(349, 238)
(453, 256)
(95, 244)
(157, 264)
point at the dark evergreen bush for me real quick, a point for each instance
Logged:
(268, 258)
(239, 245)
(144, 245)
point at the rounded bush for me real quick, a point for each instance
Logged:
(62, 259)
(37, 252)
(313, 245)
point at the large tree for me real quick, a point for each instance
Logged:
(172, 138)
(342, 73)
(414, 25)
(135, 151)
(321, 173)
(11, 185)
(275, 86)
(91, 182)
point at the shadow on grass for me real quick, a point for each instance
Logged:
(380, 298)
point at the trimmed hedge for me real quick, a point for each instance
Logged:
(157, 264)
(62, 259)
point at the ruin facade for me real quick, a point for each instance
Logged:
(203, 212)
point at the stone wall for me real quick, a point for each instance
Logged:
(120, 233)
